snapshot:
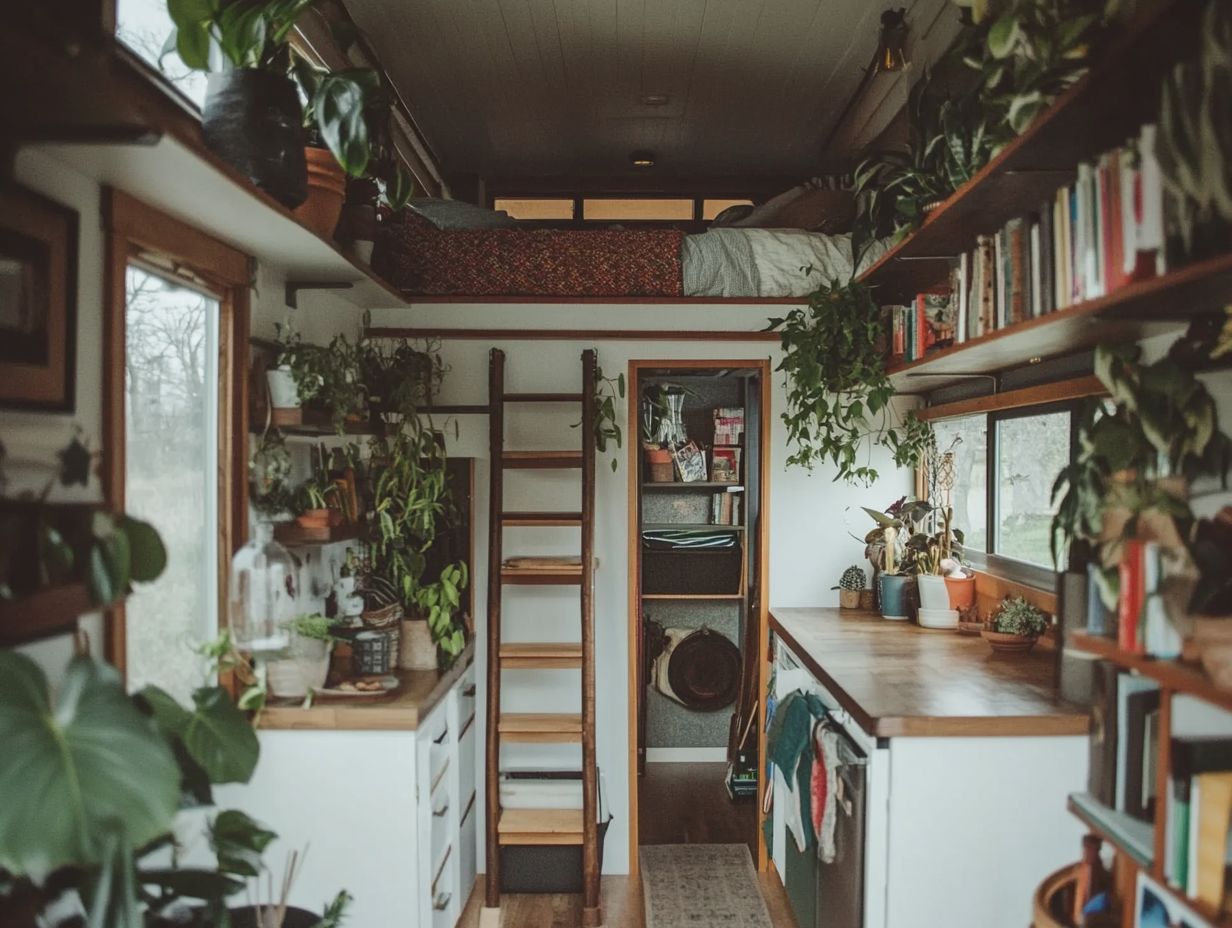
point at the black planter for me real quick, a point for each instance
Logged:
(246, 917)
(252, 120)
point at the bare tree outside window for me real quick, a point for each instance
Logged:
(143, 25)
(171, 378)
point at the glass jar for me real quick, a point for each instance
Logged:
(263, 594)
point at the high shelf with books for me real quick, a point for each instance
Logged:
(1107, 107)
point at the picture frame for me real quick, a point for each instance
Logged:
(38, 301)
(690, 463)
(1155, 907)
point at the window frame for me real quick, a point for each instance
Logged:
(137, 233)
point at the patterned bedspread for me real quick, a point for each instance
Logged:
(420, 259)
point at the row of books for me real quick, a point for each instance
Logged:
(1091, 238)
(725, 509)
(1140, 623)
(728, 425)
(1199, 812)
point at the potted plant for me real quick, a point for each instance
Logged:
(661, 406)
(306, 662)
(318, 504)
(399, 377)
(1015, 625)
(336, 134)
(894, 562)
(850, 586)
(269, 472)
(252, 117)
(838, 394)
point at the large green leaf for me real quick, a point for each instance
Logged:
(339, 107)
(148, 555)
(215, 732)
(238, 842)
(72, 776)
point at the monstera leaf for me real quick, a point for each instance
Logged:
(79, 776)
(215, 734)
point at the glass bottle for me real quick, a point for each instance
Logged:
(262, 593)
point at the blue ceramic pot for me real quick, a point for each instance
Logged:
(894, 596)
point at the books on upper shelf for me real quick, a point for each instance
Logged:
(729, 425)
(1091, 238)
(926, 324)
(725, 464)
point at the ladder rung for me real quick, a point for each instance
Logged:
(541, 460)
(541, 518)
(541, 656)
(543, 397)
(542, 570)
(540, 826)
(541, 727)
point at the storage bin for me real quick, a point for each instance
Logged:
(550, 868)
(707, 571)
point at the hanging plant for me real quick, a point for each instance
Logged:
(607, 389)
(838, 395)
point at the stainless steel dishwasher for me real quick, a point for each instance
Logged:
(840, 883)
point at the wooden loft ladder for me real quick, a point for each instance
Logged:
(542, 826)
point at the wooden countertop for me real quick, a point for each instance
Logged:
(898, 679)
(400, 710)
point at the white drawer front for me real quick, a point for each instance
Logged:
(466, 761)
(441, 809)
(445, 904)
(468, 860)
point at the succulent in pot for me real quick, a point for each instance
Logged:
(1015, 625)
(850, 586)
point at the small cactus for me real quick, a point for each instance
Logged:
(853, 579)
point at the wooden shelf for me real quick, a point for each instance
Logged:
(44, 613)
(1135, 311)
(693, 485)
(692, 596)
(191, 184)
(1102, 109)
(1128, 834)
(317, 423)
(1173, 675)
(689, 527)
(292, 534)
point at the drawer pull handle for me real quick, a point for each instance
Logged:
(441, 738)
(469, 692)
(441, 902)
(440, 813)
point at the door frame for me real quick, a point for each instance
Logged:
(636, 366)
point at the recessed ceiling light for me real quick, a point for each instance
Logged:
(642, 159)
(654, 99)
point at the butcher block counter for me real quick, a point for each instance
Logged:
(898, 679)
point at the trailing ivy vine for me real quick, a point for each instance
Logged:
(838, 395)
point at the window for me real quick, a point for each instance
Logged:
(535, 207)
(143, 26)
(712, 208)
(1004, 467)
(637, 210)
(174, 428)
(171, 415)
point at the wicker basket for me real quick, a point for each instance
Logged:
(383, 617)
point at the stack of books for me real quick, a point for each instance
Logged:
(725, 509)
(1199, 813)
(1125, 742)
(926, 324)
(1093, 237)
(728, 426)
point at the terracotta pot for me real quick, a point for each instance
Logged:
(326, 192)
(418, 650)
(849, 599)
(1002, 641)
(313, 518)
(961, 590)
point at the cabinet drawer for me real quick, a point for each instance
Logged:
(441, 809)
(468, 695)
(468, 840)
(466, 760)
(444, 899)
(438, 741)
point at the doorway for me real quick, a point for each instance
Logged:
(698, 549)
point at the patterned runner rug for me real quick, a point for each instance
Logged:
(701, 886)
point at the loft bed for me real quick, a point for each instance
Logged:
(464, 251)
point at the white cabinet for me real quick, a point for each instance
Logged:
(382, 813)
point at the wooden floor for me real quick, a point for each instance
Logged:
(621, 901)
(678, 804)
(688, 804)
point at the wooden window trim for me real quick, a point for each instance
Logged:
(1042, 395)
(133, 230)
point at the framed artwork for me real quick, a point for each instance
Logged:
(38, 301)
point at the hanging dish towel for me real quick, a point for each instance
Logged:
(825, 788)
(790, 744)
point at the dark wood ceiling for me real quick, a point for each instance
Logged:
(559, 87)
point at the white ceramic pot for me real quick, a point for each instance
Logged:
(417, 651)
(305, 667)
(284, 394)
(933, 594)
(938, 618)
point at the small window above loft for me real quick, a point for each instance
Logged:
(535, 207)
(143, 26)
(712, 208)
(647, 209)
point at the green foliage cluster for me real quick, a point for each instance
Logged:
(1016, 616)
(607, 427)
(1159, 421)
(838, 394)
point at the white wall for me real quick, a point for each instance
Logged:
(809, 544)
